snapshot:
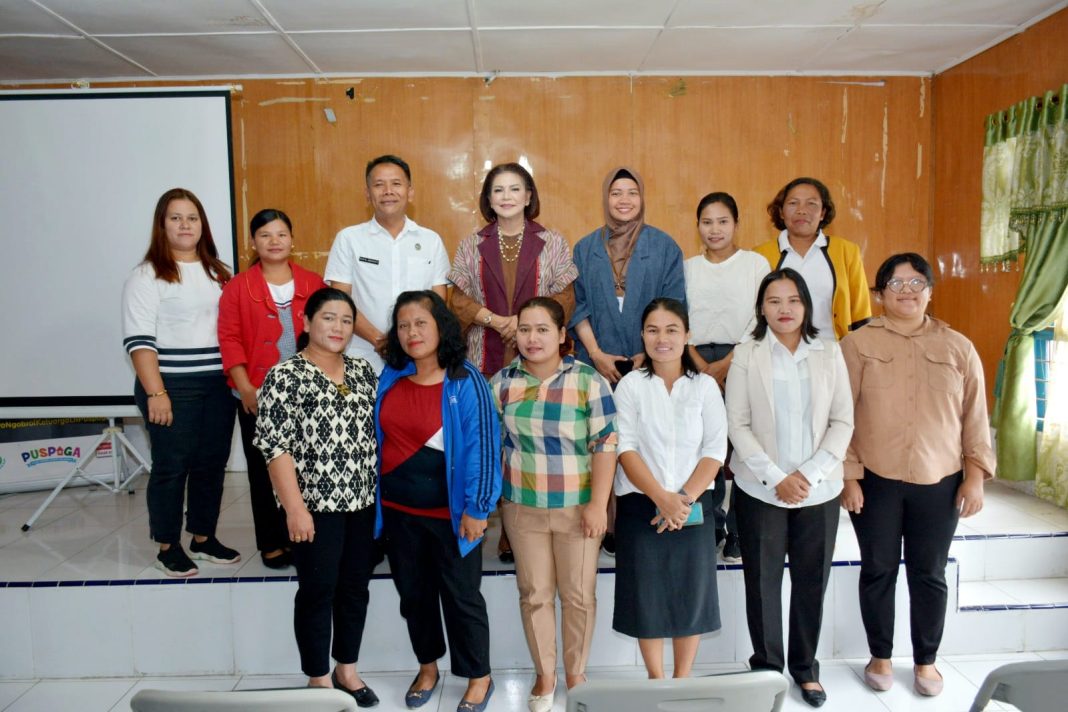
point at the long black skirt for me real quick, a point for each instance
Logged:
(665, 583)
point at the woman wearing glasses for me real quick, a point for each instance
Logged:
(919, 456)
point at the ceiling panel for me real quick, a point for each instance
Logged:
(764, 13)
(569, 13)
(564, 50)
(212, 55)
(296, 16)
(738, 51)
(875, 50)
(959, 12)
(19, 16)
(159, 16)
(383, 52)
(60, 59)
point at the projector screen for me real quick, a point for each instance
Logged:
(80, 175)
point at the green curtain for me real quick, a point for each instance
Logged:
(1040, 202)
(999, 245)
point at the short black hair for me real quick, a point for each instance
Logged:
(451, 347)
(886, 269)
(808, 329)
(530, 211)
(775, 206)
(668, 304)
(267, 215)
(718, 197)
(388, 158)
(316, 301)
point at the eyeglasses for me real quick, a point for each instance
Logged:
(916, 284)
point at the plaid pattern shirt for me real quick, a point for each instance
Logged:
(551, 430)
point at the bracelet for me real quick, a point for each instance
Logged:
(158, 393)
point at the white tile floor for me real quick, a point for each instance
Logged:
(842, 679)
(92, 535)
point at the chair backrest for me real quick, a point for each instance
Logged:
(305, 699)
(1033, 686)
(754, 691)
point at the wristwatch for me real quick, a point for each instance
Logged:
(488, 319)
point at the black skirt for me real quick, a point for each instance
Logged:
(665, 583)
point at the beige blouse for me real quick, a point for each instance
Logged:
(919, 403)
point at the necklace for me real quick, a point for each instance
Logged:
(343, 388)
(510, 253)
(619, 275)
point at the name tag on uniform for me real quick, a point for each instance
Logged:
(369, 260)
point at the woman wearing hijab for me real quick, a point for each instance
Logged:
(623, 265)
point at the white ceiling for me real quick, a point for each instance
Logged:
(71, 40)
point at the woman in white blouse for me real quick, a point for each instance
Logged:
(791, 418)
(669, 456)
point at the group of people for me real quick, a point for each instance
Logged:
(614, 388)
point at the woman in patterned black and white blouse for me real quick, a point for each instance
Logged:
(316, 431)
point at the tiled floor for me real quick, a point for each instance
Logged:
(91, 535)
(842, 679)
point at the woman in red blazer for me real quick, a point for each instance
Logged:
(261, 314)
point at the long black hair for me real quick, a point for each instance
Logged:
(315, 302)
(451, 346)
(689, 367)
(808, 329)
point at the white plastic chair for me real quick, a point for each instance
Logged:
(754, 691)
(305, 699)
(1034, 686)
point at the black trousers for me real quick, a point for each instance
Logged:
(768, 533)
(268, 518)
(332, 574)
(726, 518)
(431, 577)
(189, 456)
(924, 517)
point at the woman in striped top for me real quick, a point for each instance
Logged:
(170, 305)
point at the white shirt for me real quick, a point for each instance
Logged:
(282, 294)
(177, 320)
(722, 297)
(379, 267)
(670, 431)
(793, 433)
(816, 268)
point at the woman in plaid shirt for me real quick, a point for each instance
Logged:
(559, 448)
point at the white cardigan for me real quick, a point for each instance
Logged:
(751, 408)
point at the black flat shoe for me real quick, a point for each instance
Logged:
(506, 556)
(365, 696)
(814, 698)
(283, 560)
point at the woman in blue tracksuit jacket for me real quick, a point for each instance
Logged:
(439, 478)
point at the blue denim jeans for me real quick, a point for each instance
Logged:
(190, 454)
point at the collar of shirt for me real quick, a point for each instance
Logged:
(930, 325)
(409, 226)
(519, 368)
(798, 355)
(784, 243)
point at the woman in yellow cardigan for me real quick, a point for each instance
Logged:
(834, 270)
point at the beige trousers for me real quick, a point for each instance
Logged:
(552, 555)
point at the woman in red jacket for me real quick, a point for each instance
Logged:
(261, 314)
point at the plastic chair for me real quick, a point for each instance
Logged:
(305, 699)
(754, 691)
(1034, 686)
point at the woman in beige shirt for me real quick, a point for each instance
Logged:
(919, 456)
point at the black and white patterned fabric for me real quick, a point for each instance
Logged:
(330, 435)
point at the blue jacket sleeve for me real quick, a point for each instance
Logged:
(580, 256)
(481, 456)
(674, 275)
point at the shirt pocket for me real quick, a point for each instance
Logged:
(942, 372)
(877, 370)
(420, 273)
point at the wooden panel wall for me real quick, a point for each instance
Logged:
(868, 139)
(978, 303)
